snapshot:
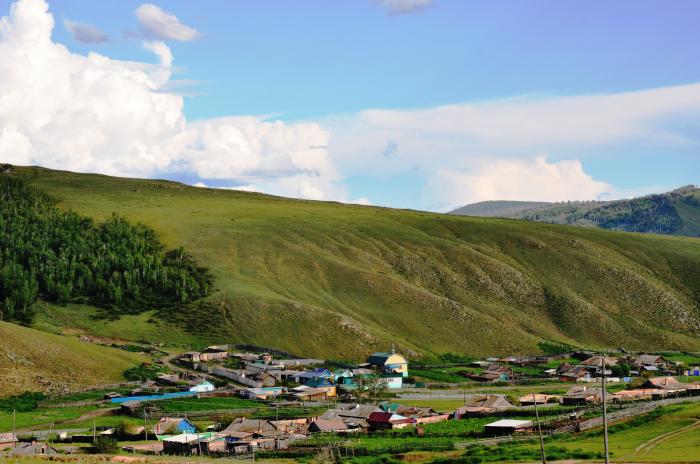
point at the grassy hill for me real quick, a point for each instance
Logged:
(674, 213)
(503, 209)
(338, 280)
(32, 360)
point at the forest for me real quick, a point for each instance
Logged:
(61, 257)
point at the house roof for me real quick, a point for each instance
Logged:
(380, 358)
(328, 425)
(414, 412)
(169, 423)
(183, 438)
(583, 391)
(318, 382)
(248, 425)
(598, 361)
(387, 418)
(32, 449)
(309, 391)
(487, 401)
(511, 423)
(667, 383)
(7, 438)
(645, 359)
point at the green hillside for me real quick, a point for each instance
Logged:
(502, 209)
(672, 213)
(31, 360)
(336, 280)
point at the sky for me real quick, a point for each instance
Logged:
(405, 103)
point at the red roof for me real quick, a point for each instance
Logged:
(388, 418)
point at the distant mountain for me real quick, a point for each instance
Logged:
(672, 213)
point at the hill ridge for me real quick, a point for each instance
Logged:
(336, 280)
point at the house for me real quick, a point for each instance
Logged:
(328, 425)
(7, 440)
(651, 360)
(33, 449)
(420, 415)
(583, 394)
(174, 426)
(263, 393)
(575, 374)
(213, 353)
(479, 405)
(305, 393)
(389, 363)
(264, 379)
(243, 425)
(493, 373)
(319, 373)
(190, 357)
(184, 444)
(353, 415)
(203, 387)
(638, 394)
(321, 384)
(594, 364)
(669, 384)
(388, 420)
(508, 427)
(538, 398)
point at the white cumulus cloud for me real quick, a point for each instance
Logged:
(530, 179)
(92, 113)
(160, 24)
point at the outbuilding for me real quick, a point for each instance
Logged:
(508, 427)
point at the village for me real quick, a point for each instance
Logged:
(221, 401)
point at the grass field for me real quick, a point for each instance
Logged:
(354, 279)
(32, 360)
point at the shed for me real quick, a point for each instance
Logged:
(508, 427)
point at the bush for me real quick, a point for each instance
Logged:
(105, 445)
(27, 401)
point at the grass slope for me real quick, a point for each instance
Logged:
(341, 280)
(32, 360)
(500, 208)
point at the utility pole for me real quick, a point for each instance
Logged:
(605, 415)
(14, 428)
(539, 429)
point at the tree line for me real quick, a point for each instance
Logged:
(61, 257)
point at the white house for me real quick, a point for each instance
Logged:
(203, 387)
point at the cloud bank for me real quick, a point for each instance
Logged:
(91, 113)
(529, 148)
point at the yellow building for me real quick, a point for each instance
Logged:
(389, 363)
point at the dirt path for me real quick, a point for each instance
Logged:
(645, 448)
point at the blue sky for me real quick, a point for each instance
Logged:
(328, 63)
